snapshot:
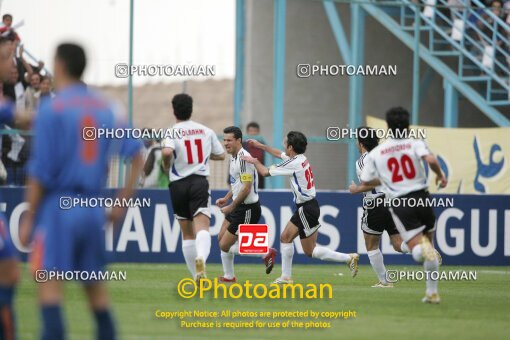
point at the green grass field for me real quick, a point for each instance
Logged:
(469, 309)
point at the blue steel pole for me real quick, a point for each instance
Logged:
(355, 83)
(416, 68)
(130, 83)
(451, 105)
(239, 77)
(278, 79)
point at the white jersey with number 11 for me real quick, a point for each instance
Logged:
(191, 153)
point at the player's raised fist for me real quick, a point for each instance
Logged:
(353, 187)
(220, 202)
(227, 210)
(441, 181)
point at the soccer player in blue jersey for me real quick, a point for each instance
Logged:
(64, 164)
(9, 271)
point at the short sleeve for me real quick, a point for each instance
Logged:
(168, 142)
(217, 148)
(369, 171)
(285, 168)
(421, 148)
(247, 171)
(284, 156)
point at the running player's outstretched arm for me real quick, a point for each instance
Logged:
(166, 157)
(369, 176)
(434, 165)
(363, 187)
(273, 151)
(167, 152)
(261, 169)
(421, 149)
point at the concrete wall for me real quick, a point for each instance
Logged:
(313, 104)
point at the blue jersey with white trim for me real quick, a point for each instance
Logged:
(300, 176)
(63, 157)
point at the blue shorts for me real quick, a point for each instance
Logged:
(69, 240)
(7, 249)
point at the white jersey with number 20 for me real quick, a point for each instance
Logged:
(398, 165)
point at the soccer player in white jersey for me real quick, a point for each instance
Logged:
(396, 164)
(245, 206)
(376, 217)
(305, 221)
(189, 187)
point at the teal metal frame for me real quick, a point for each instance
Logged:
(280, 7)
(240, 57)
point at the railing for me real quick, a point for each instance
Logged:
(478, 37)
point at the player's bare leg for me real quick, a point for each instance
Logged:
(288, 235)
(50, 300)
(230, 247)
(423, 251)
(399, 244)
(189, 250)
(311, 249)
(99, 303)
(201, 223)
(9, 276)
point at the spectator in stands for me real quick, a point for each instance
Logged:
(253, 132)
(14, 89)
(31, 100)
(7, 26)
(154, 175)
(45, 88)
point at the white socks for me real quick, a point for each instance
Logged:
(190, 253)
(376, 260)
(327, 254)
(417, 253)
(287, 250)
(404, 248)
(227, 260)
(431, 266)
(235, 251)
(203, 244)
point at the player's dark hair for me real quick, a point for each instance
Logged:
(5, 16)
(182, 105)
(3, 40)
(238, 134)
(367, 137)
(397, 119)
(11, 36)
(298, 141)
(254, 125)
(73, 58)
